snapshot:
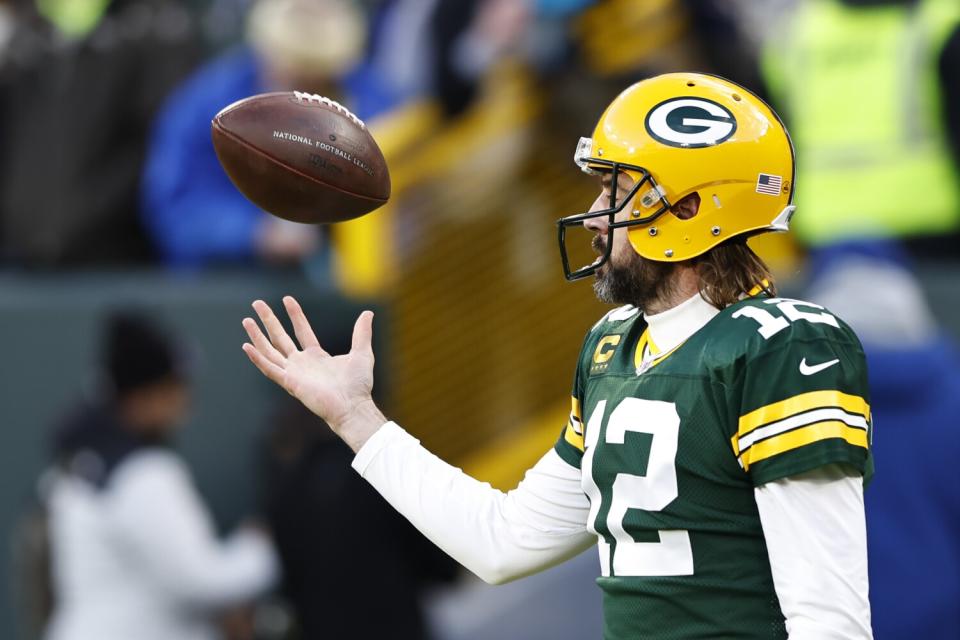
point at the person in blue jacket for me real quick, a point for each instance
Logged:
(913, 503)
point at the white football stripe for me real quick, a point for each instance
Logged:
(818, 415)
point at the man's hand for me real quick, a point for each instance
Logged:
(336, 388)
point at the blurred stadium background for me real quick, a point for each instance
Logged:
(477, 105)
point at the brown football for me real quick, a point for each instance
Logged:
(301, 156)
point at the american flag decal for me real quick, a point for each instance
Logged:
(769, 184)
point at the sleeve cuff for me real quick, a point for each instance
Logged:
(385, 436)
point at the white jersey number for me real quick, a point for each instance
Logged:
(672, 555)
(770, 325)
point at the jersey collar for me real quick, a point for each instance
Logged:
(669, 329)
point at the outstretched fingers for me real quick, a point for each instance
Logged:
(261, 343)
(278, 335)
(363, 334)
(267, 368)
(301, 326)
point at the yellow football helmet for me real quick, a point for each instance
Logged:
(680, 133)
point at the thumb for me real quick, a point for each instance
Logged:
(363, 334)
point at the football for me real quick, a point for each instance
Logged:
(301, 156)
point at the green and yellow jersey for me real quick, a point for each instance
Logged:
(671, 446)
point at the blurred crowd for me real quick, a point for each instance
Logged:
(106, 164)
(106, 160)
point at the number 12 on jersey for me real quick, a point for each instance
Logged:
(652, 492)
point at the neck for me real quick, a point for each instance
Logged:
(685, 283)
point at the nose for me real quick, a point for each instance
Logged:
(598, 224)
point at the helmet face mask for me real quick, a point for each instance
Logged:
(675, 135)
(597, 166)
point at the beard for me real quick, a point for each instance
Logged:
(637, 281)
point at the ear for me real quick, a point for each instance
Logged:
(687, 207)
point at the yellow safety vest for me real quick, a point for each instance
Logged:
(861, 91)
(74, 18)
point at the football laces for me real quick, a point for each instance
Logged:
(312, 97)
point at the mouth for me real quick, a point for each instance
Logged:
(598, 245)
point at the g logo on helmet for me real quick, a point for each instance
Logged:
(690, 123)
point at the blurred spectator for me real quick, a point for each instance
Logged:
(134, 550)
(659, 36)
(871, 92)
(912, 505)
(470, 36)
(79, 90)
(193, 212)
(352, 566)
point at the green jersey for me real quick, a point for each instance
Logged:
(672, 445)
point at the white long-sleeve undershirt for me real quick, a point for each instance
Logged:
(498, 536)
(816, 536)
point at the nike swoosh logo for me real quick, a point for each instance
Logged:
(809, 370)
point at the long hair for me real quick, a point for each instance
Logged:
(730, 270)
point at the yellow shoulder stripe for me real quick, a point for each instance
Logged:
(801, 420)
(573, 437)
(802, 437)
(573, 433)
(800, 403)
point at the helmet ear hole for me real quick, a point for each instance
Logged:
(687, 207)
